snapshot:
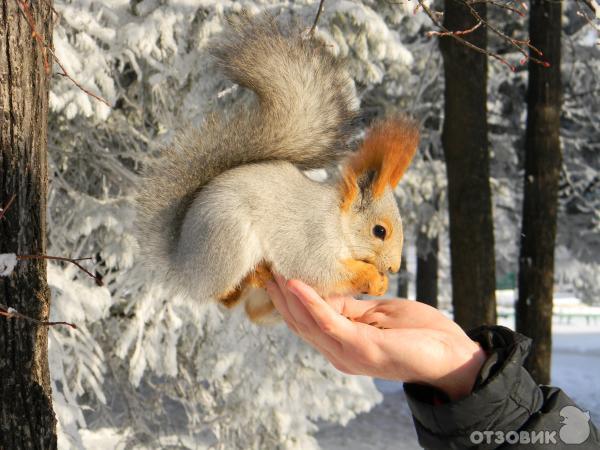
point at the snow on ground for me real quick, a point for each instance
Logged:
(388, 426)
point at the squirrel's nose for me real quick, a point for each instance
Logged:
(394, 269)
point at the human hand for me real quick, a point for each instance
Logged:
(398, 340)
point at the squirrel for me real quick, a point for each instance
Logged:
(228, 205)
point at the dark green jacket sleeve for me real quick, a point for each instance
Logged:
(506, 409)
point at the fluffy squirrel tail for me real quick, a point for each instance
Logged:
(305, 103)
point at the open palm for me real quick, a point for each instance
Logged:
(399, 340)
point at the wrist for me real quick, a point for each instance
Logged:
(459, 381)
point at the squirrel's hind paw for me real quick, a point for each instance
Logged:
(260, 309)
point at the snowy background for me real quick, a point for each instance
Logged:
(147, 371)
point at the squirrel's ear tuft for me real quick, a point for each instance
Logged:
(387, 150)
(348, 187)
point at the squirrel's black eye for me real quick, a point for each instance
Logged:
(379, 232)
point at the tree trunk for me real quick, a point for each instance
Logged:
(464, 139)
(542, 173)
(403, 279)
(427, 267)
(26, 417)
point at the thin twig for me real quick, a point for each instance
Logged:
(520, 45)
(66, 74)
(24, 8)
(589, 4)
(319, 11)
(456, 33)
(5, 209)
(56, 13)
(591, 21)
(463, 41)
(51, 6)
(10, 313)
(97, 278)
(517, 43)
(498, 5)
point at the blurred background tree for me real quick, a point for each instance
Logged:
(543, 161)
(466, 151)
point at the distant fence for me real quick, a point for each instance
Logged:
(563, 315)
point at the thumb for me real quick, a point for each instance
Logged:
(328, 320)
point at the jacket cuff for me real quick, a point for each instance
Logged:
(503, 399)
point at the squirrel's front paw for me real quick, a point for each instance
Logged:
(366, 279)
(378, 284)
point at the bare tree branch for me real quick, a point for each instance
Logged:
(319, 11)
(453, 34)
(522, 46)
(97, 278)
(45, 49)
(11, 313)
(457, 33)
(24, 8)
(591, 20)
(8, 204)
(75, 261)
(66, 75)
(498, 5)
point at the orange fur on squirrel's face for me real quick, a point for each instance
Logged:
(366, 190)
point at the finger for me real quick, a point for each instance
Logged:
(308, 329)
(301, 322)
(288, 297)
(287, 301)
(311, 333)
(350, 307)
(328, 321)
(336, 357)
(359, 351)
(340, 365)
(292, 306)
(300, 314)
(326, 345)
(278, 298)
(405, 314)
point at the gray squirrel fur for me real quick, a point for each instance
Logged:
(226, 197)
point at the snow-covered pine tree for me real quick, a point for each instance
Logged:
(145, 368)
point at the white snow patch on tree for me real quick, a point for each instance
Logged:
(8, 262)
